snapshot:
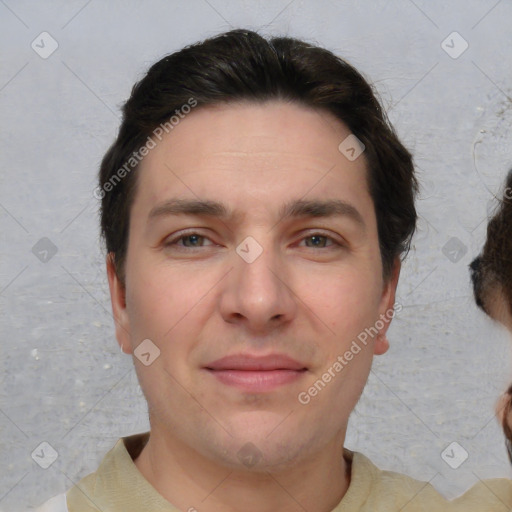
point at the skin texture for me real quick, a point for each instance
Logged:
(198, 301)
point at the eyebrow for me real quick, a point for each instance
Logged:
(292, 209)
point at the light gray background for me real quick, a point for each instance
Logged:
(63, 379)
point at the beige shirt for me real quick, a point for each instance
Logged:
(118, 486)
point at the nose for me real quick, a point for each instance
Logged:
(258, 294)
(476, 279)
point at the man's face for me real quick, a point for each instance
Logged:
(199, 289)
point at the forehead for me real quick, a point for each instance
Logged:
(254, 129)
(267, 150)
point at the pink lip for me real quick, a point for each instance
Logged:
(256, 374)
(255, 363)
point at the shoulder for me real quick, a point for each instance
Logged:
(490, 495)
(390, 491)
(373, 489)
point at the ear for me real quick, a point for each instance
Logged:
(118, 300)
(386, 308)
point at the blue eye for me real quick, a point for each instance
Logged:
(194, 240)
(318, 238)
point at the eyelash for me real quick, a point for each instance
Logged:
(173, 241)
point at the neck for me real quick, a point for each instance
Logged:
(192, 482)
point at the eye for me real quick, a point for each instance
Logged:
(190, 240)
(195, 240)
(321, 241)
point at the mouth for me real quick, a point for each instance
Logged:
(256, 374)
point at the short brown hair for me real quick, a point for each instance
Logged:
(243, 65)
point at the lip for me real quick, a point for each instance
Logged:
(256, 373)
(255, 363)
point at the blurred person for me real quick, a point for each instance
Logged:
(491, 274)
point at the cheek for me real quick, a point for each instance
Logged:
(170, 304)
(164, 308)
(347, 300)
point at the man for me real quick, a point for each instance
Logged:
(255, 207)
(491, 273)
